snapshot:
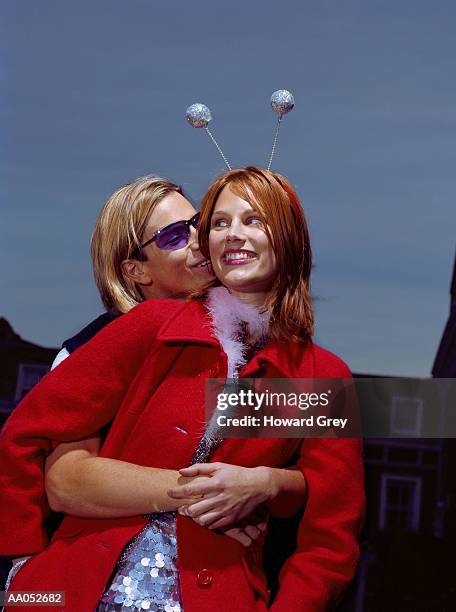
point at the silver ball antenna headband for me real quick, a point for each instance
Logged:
(282, 102)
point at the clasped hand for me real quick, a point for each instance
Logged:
(227, 495)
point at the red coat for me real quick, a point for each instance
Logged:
(145, 372)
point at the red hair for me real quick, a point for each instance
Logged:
(277, 203)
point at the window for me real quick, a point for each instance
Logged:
(406, 415)
(400, 502)
(27, 377)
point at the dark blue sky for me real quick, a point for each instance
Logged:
(93, 94)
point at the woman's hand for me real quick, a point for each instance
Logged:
(230, 493)
(250, 529)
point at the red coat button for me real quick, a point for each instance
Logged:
(204, 577)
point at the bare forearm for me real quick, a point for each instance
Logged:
(99, 487)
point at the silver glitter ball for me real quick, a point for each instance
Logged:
(282, 101)
(198, 115)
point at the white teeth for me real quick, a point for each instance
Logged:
(238, 255)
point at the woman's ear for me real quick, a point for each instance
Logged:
(137, 271)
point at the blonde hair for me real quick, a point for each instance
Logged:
(117, 236)
(274, 198)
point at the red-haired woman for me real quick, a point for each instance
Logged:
(151, 366)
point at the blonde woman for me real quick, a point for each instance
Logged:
(127, 274)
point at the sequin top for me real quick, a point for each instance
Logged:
(147, 576)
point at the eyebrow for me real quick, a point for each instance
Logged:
(223, 212)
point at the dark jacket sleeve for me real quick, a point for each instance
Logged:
(89, 331)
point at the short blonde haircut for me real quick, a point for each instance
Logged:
(118, 235)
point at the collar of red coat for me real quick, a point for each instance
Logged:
(191, 324)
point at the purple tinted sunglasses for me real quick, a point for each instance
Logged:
(174, 236)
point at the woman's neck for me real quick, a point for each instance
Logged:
(254, 299)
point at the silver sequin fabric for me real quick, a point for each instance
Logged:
(147, 576)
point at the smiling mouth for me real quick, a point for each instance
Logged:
(238, 258)
(203, 264)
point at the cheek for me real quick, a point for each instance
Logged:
(268, 251)
(215, 244)
(178, 259)
(172, 262)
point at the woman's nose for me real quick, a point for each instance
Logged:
(235, 233)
